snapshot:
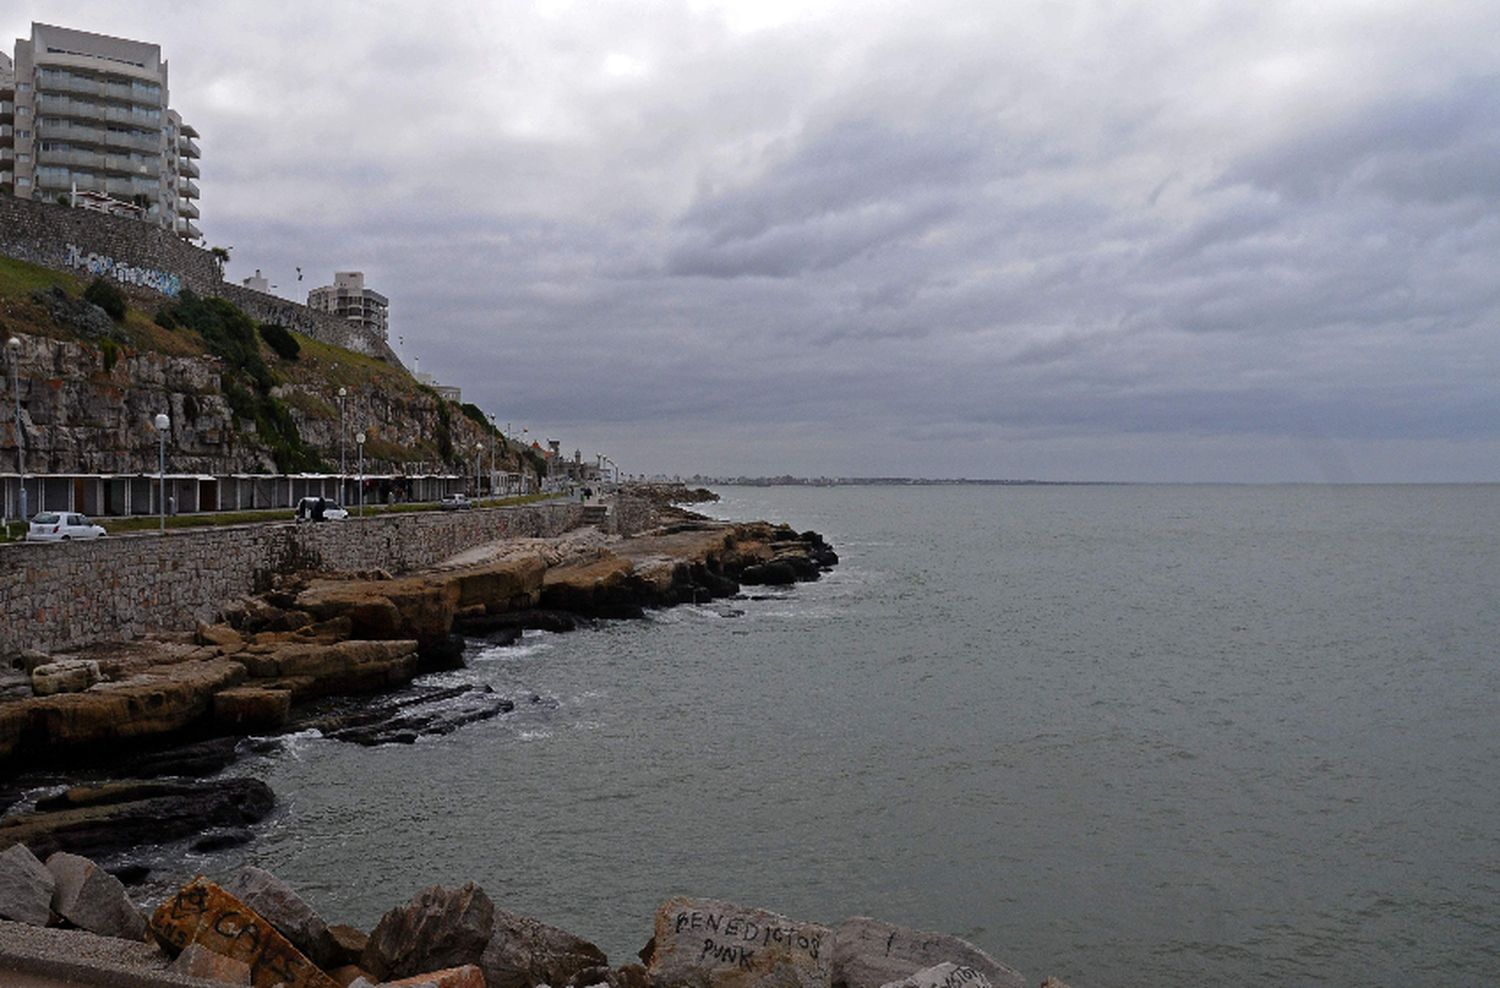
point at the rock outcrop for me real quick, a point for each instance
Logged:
(100, 820)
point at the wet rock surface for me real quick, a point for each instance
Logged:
(102, 820)
(438, 928)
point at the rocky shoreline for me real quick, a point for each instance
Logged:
(141, 727)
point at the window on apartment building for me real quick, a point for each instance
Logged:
(23, 134)
(24, 157)
(23, 87)
(23, 111)
(22, 182)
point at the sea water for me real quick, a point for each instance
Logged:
(1123, 735)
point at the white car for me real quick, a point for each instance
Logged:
(62, 526)
(455, 502)
(308, 510)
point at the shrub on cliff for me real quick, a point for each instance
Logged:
(107, 297)
(278, 339)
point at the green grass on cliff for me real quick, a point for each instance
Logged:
(254, 369)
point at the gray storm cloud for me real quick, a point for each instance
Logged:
(1235, 241)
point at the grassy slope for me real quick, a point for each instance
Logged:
(321, 368)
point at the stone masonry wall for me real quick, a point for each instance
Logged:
(54, 595)
(40, 232)
(147, 259)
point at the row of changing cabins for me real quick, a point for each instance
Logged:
(119, 496)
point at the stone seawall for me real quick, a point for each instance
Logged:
(147, 261)
(58, 595)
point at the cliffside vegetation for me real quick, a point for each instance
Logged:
(280, 387)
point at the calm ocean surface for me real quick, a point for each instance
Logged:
(1123, 735)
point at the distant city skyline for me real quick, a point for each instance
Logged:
(1230, 242)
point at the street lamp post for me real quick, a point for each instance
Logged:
(162, 423)
(360, 440)
(478, 454)
(343, 466)
(492, 456)
(14, 346)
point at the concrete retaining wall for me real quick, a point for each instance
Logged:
(54, 595)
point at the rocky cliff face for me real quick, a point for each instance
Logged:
(88, 408)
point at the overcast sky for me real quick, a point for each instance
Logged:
(1201, 241)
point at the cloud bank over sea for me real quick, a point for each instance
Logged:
(1224, 241)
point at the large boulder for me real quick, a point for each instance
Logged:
(439, 928)
(26, 887)
(524, 952)
(92, 899)
(203, 913)
(868, 953)
(948, 975)
(288, 912)
(704, 943)
(64, 676)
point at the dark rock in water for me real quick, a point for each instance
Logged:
(403, 721)
(447, 653)
(92, 899)
(100, 820)
(222, 838)
(130, 872)
(440, 928)
(535, 619)
(284, 909)
(195, 760)
(777, 572)
(524, 952)
(26, 887)
(502, 636)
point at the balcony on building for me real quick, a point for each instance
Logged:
(76, 133)
(134, 165)
(7, 111)
(74, 74)
(188, 148)
(188, 190)
(187, 208)
(185, 228)
(55, 105)
(188, 130)
(188, 168)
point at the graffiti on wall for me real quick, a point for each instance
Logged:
(127, 274)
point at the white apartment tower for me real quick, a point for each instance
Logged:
(348, 297)
(88, 113)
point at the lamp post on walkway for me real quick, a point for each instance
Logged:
(360, 440)
(13, 345)
(492, 455)
(343, 467)
(162, 423)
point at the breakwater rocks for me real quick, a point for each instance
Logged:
(256, 930)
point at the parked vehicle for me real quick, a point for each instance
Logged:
(320, 509)
(453, 502)
(62, 526)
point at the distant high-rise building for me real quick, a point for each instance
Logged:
(348, 297)
(83, 112)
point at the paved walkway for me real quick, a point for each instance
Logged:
(33, 957)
